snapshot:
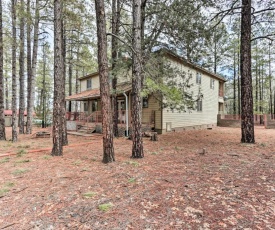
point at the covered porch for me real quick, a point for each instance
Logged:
(89, 113)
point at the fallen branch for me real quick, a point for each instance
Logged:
(9, 225)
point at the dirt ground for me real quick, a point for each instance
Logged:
(231, 186)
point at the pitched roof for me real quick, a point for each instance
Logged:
(95, 93)
(193, 65)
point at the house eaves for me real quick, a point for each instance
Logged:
(182, 60)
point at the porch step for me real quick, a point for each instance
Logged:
(86, 129)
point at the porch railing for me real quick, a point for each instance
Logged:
(258, 118)
(96, 117)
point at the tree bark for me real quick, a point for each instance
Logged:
(270, 81)
(2, 119)
(107, 126)
(21, 72)
(234, 83)
(247, 123)
(63, 102)
(14, 80)
(32, 61)
(137, 148)
(115, 30)
(257, 81)
(58, 108)
(7, 101)
(29, 71)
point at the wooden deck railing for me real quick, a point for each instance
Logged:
(258, 118)
(96, 117)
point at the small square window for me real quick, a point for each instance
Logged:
(145, 102)
(198, 78)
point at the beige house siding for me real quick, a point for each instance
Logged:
(153, 108)
(208, 115)
(95, 83)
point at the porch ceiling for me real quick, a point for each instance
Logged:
(95, 93)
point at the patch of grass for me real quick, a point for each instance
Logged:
(132, 180)
(154, 153)
(24, 146)
(105, 207)
(78, 162)
(3, 191)
(46, 157)
(263, 144)
(134, 163)
(9, 184)
(89, 194)
(84, 170)
(4, 160)
(23, 161)
(19, 171)
(21, 152)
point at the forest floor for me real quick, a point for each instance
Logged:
(231, 186)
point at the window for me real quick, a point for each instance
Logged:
(94, 105)
(190, 76)
(199, 105)
(145, 102)
(212, 83)
(89, 83)
(198, 78)
(85, 104)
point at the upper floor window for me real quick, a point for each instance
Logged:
(212, 83)
(89, 83)
(198, 78)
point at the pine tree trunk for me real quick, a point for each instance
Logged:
(21, 73)
(57, 149)
(247, 123)
(43, 91)
(63, 102)
(257, 82)
(14, 80)
(270, 82)
(7, 101)
(239, 84)
(2, 119)
(76, 77)
(32, 66)
(70, 73)
(115, 30)
(234, 83)
(107, 126)
(29, 71)
(137, 148)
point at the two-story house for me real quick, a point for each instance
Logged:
(208, 85)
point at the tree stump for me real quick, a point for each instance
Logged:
(154, 136)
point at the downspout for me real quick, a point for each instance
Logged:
(127, 129)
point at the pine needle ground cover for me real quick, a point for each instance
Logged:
(230, 186)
